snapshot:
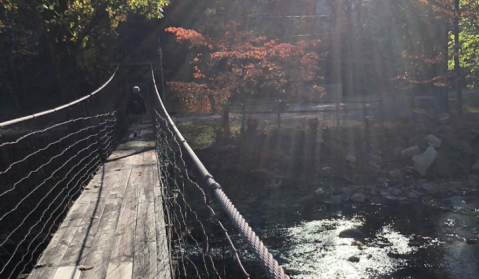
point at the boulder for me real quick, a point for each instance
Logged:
(387, 195)
(411, 151)
(423, 161)
(456, 184)
(353, 259)
(351, 233)
(384, 193)
(421, 127)
(396, 176)
(475, 167)
(445, 133)
(347, 191)
(337, 199)
(431, 188)
(474, 134)
(396, 192)
(433, 141)
(415, 195)
(308, 200)
(350, 158)
(443, 118)
(358, 198)
(251, 199)
(375, 161)
(275, 183)
(325, 172)
(382, 181)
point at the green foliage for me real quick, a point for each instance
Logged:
(74, 20)
(469, 43)
(73, 37)
(469, 60)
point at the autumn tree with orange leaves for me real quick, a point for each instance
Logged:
(239, 65)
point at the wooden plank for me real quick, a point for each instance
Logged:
(122, 270)
(57, 247)
(141, 266)
(43, 272)
(118, 190)
(78, 250)
(128, 240)
(163, 254)
(123, 248)
(102, 245)
(151, 226)
(145, 258)
(67, 272)
(100, 250)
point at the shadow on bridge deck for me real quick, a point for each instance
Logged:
(116, 227)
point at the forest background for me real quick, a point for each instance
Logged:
(55, 51)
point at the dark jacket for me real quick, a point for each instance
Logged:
(135, 104)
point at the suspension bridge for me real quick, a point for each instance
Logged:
(80, 197)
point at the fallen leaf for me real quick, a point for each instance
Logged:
(139, 173)
(85, 267)
(94, 217)
(86, 188)
(96, 186)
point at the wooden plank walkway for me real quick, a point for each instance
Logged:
(117, 224)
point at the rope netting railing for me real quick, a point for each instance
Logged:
(200, 242)
(46, 159)
(206, 232)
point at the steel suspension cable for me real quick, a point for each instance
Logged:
(51, 175)
(36, 115)
(271, 266)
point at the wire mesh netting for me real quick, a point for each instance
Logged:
(45, 163)
(201, 243)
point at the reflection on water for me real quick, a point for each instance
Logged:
(402, 241)
(316, 251)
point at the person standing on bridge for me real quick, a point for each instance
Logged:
(136, 108)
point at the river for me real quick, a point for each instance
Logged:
(403, 240)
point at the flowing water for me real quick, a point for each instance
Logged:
(403, 240)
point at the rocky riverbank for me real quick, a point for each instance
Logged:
(419, 159)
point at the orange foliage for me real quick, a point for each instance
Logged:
(195, 38)
(240, 63)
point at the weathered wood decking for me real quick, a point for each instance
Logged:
(116, 226)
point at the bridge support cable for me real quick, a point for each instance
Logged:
(41, 175)
(188, 209)
(45, 164)
(62, 107)
(268, 263)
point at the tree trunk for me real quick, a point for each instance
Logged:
(9, 89)
(243, 119)
(65, 61)
(457, 65)
(442, 100)
(211, 99)
(349, 50)
(225, 123)
(12, 82)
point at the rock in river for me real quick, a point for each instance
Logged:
(411, 151)
(358, 198)
(423, 161)
(433, 141)
(352, 233)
